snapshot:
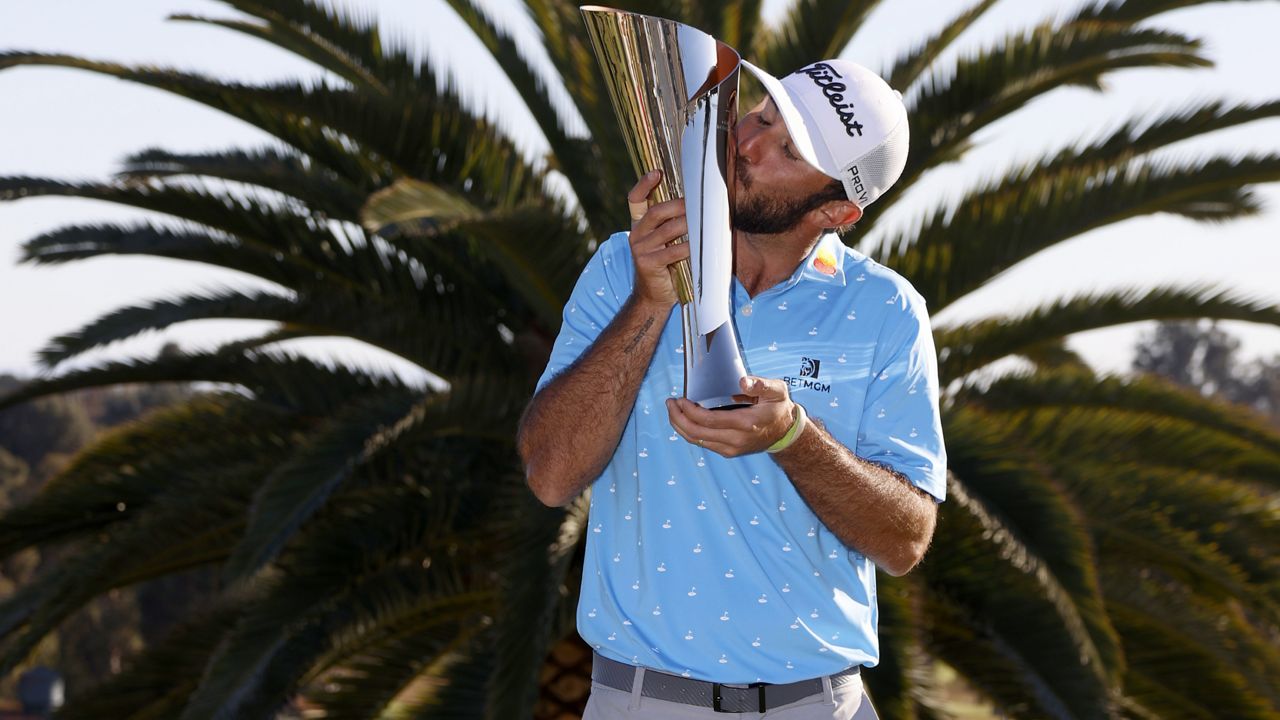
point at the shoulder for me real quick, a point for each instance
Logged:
(616, 246)
(610, 264)
(884, 282)
(611, 256)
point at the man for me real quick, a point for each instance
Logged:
(730, 562)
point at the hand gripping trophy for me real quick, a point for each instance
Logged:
(675, 91)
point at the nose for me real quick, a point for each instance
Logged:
(746, 136)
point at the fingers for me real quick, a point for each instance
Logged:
(696, 433)
(764, 389)
(667, 254)
(646, 218)
(638, 198)
(640, 192)
(662, 223)
(742, 420)
(652, 229)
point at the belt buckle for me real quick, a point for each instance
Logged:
(717, 698)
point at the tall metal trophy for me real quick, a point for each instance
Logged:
(675, 91)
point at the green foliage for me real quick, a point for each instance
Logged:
(1108, 545)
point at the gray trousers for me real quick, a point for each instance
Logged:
(849, 702)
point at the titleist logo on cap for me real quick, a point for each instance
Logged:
(825, 77)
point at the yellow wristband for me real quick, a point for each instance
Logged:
(794, 432)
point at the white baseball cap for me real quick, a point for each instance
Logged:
(845, 121)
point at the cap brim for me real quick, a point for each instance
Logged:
(791, 115)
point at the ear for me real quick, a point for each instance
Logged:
(839, 213)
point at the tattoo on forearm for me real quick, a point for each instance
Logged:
(639, 335)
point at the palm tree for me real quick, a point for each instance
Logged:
(1108, 549)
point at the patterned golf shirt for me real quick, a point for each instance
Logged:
(715, 568)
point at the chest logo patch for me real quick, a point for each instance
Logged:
(810, 368)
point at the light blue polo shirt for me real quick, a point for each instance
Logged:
(715, 568)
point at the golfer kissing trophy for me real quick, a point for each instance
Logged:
(675, 91)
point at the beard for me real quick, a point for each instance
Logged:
(760, 214)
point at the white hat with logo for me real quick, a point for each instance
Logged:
(845, 121)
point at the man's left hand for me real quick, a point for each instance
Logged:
(740, 431)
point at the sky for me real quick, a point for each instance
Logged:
(75, 125)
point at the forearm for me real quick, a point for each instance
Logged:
(572, 427)
(869, 508)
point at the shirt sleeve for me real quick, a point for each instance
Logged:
(605, 283)
(901, 424)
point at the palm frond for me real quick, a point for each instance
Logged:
(1140, 394)
(376, 561)
(1138, 437)
(425, 133)
(296, 489)
(256, 668)
(285, 381)
(343, 39)
(601, 187)
(289, 236)
(1167, 652)
(297, 39)
(355, 434)
(264, 107)
(984, 87)
(542, 542)
(999, 229)
(812, 30)
(78, 242)
(1207, 532)
(908, 68)
(1131, 11)
(1128, 140)
(468, 317)
(1037, 633)
(151, 544)
(971, 346)
(733, 22)
(126, 469)
(1054, 355)
(1182, 558)
(571, 156)
(536, 248)
(1020, 497)
(325, 192)
(128, 322)
(157, 682)
(899, 684)
(406, 668)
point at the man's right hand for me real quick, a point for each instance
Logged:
(652, 227)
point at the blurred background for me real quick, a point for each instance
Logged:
(276, 278)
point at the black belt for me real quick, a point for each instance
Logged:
(756, 697)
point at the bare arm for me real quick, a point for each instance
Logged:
(868, 507)
(571, 428)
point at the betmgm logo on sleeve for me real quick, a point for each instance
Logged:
(810, 369)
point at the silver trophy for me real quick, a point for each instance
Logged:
(675, 91)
